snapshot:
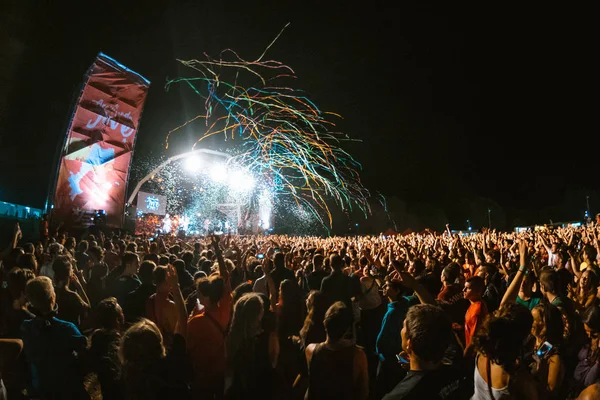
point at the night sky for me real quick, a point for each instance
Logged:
(451, 102)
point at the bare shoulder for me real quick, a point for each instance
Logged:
(592, 392)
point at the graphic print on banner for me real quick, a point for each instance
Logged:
(95, 162)
(149, 203)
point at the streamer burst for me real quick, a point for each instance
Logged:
(284, 138)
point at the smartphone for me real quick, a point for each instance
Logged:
(401, 359)
(260, 256)
(544, 349)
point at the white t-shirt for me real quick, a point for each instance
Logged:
(47, 270)
(370, 297)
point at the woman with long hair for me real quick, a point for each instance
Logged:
(547, 329)
(313, 330)
(587, 371)
(290, 311)
(102, 356)
(499, 346)
(146, 372)
(586, 291)
(241, 377)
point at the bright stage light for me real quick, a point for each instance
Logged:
(193, 164)
(218, 173)
(265, 208)
(241, 181)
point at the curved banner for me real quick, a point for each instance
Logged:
(95, 161)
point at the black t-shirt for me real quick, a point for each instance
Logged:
(71, 306)
(315, 278)
(122, 286)
(445, 383)
(281, 274)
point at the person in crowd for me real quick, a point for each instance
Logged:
(96, 287)
(451, 296)
(82, 256)
(573, 328)
(52, 347)
(587, 371)
(315, 277)
(54, 250)
(337, 369)
(389, 343)
(280, 271)
(586, 291)
(190, 265)
(426, 334)
(242, 378)
(290, 313)
(493, 291)
(169, 315)
(73, 305)
(10, 350)
(338, 286)
(477, 311)
(134, 305)
(125, 279)
(206, 330)
(186, 281)
(103, 355)
(239, 291)
(549, 368)
(18, 311)
(28, 261)
(500, 373)
(147, 369)
(371, 310)
(313, 330)
(526, 296)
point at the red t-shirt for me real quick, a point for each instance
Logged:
(205, 340)
(473, 319)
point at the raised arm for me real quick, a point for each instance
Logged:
(410, 282)
(574, 263)
(513, 290)
(222, 267)
(544, 243)
(173, 281)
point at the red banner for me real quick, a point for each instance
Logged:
(95, 162)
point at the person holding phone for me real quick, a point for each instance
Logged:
(548, 368)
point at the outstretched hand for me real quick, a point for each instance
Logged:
(215, 239)
(523, 252)
(172, 278)
(406, 279)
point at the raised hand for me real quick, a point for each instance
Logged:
(172, 278)
(523, 252)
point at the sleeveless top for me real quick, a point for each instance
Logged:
(331, 373)
(482, 389)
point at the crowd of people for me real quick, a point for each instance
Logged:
(493, 315)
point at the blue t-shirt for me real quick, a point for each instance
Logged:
(389, 341)
(51, 347)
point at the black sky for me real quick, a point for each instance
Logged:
(449, 100)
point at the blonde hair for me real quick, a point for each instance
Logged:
(141, 344)
(40, 293)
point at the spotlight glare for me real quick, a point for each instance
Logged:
(241, 181)
(218, 173)
(193, 164)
